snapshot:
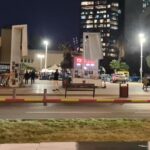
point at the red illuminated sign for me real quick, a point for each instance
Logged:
(81, 60)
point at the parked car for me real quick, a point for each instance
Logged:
(106, 77)
(119, 78)
(134, 78)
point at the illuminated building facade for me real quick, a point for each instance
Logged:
(106, 17)
(145, 4)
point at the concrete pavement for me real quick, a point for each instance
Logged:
(110, 94)
(135, 89)
(78, 146)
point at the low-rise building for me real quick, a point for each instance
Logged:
(54, 57)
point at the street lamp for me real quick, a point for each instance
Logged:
(46, 43)
(40, 56)
(142, 40)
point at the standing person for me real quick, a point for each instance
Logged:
(26, 77)
(56, 75)
(32, 75)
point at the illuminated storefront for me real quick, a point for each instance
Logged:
(84, 67)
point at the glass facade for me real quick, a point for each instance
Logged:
(146, 3)
(102, 16)
(106, 17)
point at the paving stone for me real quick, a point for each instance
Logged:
(58, 146)
(19, 146)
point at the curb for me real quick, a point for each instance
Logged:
(72, 100)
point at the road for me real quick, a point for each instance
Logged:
(72, 111)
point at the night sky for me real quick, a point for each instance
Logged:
(57, 20)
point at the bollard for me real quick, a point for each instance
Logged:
(14, 94)
(44, 97)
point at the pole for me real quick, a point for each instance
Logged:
(141, 69)
(46, 56)
(44, 97)
(41, 63)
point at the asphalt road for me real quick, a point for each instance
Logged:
(71, 111)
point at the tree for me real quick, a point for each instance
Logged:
(124, 66)
(148, 61)
(116, 65)
(26, 67)
(67, 62)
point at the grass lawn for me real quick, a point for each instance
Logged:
(32, 131)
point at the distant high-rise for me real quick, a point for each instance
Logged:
(145, 4)
(106, 17)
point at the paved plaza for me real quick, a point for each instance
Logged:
(112, 89)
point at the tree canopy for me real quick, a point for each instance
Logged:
(116, 65)
(67, 62)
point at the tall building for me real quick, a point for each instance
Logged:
(106, 17)
(145, 4)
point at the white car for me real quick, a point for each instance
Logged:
(119, 78)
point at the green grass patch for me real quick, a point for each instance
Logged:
(31, 131)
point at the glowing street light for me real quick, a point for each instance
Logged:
(142, 41)
(40, 56)
(46, 43)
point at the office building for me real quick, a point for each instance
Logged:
(145, 4)
(106, 17)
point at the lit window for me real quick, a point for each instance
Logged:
(108, 20)
(108, 34)
(95, 21)
(101, 21)
(97, 16)
(89, 21)
(90, 16)
(104, 16)
(87, 3)
(114, 27)
(83, 17)
(108, 6)
(108, 25)
(89, 26)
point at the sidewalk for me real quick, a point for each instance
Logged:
(78, 146)
(135, 89)
(35, 93)
(41, 146)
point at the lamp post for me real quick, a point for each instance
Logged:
(46, 43)
(40, 56)
(142, 40)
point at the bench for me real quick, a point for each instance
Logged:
(146, 83)
(80, 87)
